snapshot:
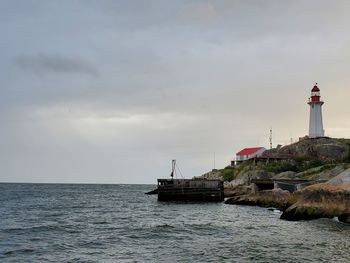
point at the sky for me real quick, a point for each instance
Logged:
(112, 91)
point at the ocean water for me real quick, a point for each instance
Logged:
(119, 223)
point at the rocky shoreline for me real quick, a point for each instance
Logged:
(324, 200)
(327, 197)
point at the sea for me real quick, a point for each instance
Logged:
(119, 223)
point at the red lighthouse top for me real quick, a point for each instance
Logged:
(315, 94)
(315, 88)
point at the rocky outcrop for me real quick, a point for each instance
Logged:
(270, 198)
(245, 176)
(324, 172)
(285, 175)
(236, 190)
(343, 178)
(328, 174)
(324, 149)
(326, 200)
(212, 175)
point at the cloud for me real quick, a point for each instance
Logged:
(91, 88)
(45, 64)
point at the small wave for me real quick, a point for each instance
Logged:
(100, 223)
(164, 226)
(250, 227)
(19, 251)
(205, 225)
(43, 228)
(93, 244)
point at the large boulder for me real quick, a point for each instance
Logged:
(235, 190)
(326, 200)
(244, 177)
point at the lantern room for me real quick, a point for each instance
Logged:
(315, 94)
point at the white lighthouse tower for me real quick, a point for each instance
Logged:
(316, 123)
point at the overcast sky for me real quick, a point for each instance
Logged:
(111, 91)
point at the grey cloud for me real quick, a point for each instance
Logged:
(44, 63)
(89, 88)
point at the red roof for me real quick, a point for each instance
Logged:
(248, 151)
(315, 88)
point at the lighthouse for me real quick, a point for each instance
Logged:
(316, 123)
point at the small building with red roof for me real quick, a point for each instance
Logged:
(249, 153)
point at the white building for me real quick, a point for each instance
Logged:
(316, 123)
(249, 153)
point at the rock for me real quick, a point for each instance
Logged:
(269, 198)
(345, 218)
(343, 178)
(241, 181)
(311, 174)
(324, 149)
(236, 190)
(328, 174)
(285, 175)
(320, 173)
(212, 175)
(244, 177)
(326, 200)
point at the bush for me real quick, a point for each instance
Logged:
(279, 167)
(327, 167)
(228, 173)
(310, 164)
(297, 165)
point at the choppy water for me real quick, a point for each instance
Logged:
(118, 223)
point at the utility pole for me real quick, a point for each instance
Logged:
(270, 138)
(214, 160)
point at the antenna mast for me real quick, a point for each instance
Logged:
(214, 160)
(270, 138)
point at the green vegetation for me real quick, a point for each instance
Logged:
(309, 167)
(228, 173)
(306, 167)
(327, 167)
(279, 167)
(296, 165)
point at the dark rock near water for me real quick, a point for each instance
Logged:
(269, 198)
(236, 190)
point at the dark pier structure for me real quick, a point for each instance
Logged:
(290, 185)
(202, 190)
(190, 190)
